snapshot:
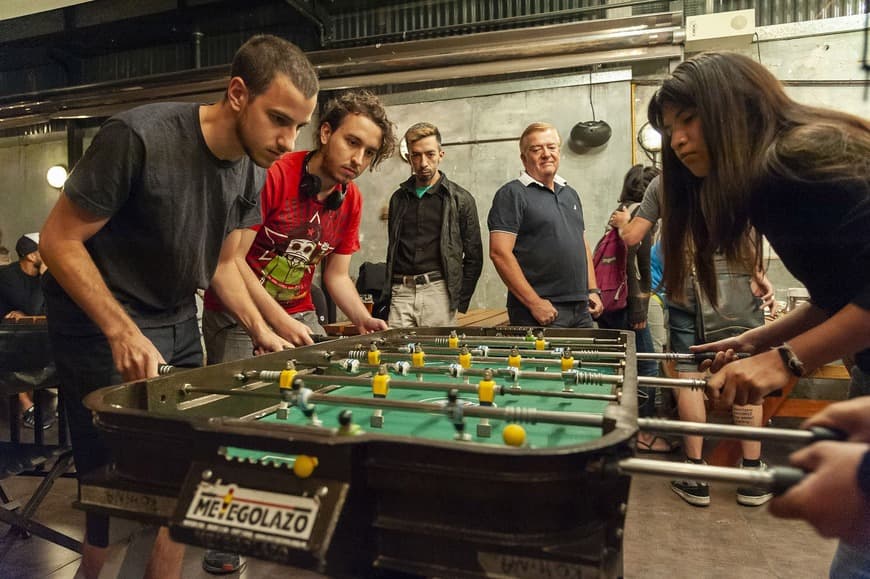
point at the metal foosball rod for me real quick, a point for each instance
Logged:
(511, 414)
(579, 353)
(677, 357)
(570, 377)
(397, 357)
(532, 415)
(804, 436)
(489, 352)
(519, 341)
(777, 479)
(444, 387)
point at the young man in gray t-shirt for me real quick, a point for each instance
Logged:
(152, 212)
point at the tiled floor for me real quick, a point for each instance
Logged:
(665, 538)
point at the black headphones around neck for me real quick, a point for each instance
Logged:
(309, 186)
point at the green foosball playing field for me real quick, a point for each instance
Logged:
(430, 415)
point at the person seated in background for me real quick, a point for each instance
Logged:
(21, 296)
(434, 255)
(742, 159)
(20, 282)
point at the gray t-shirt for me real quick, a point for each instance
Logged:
(650, 206)
(170, 204)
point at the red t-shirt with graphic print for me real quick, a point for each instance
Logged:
(296, 234)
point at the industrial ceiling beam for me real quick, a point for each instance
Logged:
(549, 48)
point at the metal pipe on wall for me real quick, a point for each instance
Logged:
(554, 47)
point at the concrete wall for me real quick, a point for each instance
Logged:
(482, 153)
(25, 195)
(820, 64)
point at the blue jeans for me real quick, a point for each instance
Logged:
(84, 364)
(643, 343)
(682, 334)
(850, 563)
(853, 562)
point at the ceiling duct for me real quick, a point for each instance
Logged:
(541, 49)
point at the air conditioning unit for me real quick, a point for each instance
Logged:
(722, 31)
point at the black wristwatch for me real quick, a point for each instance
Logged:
(594, 290)
(791, 361)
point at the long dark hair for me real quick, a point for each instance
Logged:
(751, 129)
(636, 180)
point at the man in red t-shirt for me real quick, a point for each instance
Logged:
(311, 209)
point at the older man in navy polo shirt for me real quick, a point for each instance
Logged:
(537, 242)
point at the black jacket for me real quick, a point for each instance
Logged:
(461, 248)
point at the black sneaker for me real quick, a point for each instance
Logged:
(220, 563)
(693, 492)
(753, 496)
(29, 418)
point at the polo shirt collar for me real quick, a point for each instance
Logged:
(527, 180)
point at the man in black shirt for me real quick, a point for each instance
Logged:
(434, 256)
(21, 295)
(20, 291)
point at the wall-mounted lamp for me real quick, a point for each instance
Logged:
(56, 176)
(649, 139)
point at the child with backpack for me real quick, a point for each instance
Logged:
(623, 275)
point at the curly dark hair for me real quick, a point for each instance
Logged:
(362, 102)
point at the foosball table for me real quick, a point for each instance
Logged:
(467, 452)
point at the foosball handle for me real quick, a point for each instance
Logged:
(701, 356)
(785, 477)
(827, 433)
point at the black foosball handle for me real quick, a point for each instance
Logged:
(701, 356)
(785, 477)
(827, 433)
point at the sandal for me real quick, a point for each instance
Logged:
(650, 447)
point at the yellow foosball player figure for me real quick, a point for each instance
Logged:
(285, 384)
(418, 357)
(514, 358)
(374, 355)
(486, 390)
(346, 426)
(380, 389)
(453, 340)
(540, 342)
(567, 360)
(464, 357)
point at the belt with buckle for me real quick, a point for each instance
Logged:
(419, 279)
